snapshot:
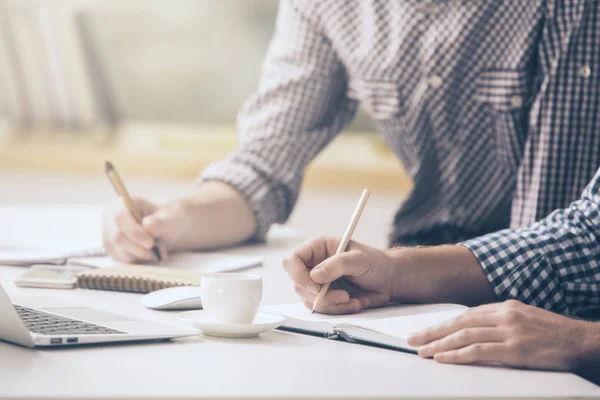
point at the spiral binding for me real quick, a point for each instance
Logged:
(125, 283)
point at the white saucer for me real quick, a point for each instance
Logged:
(262, 323)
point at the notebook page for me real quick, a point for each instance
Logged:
(404, 326)
(298, 316)
(198, 261)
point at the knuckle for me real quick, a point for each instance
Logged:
(331, 243)
(476, 349)
(512, 316)
(317, 242)
(341, 298)
(465, 335)
(328, 238)
(511, 304)
(289, 267)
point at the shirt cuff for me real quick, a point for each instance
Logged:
(265, 200)
(517, 269)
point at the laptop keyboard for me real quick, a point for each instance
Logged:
(49, 324)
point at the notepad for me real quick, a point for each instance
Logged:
(387, 327)
(137, 278)
(180, 269)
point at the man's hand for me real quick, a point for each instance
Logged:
(214, 215)
(510, 333)
(361, 277)
(126, 240)
(367, 277)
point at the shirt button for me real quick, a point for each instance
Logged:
(516, 101)
(585, 71)
(435, 81)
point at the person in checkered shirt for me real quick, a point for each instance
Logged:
(552, 264)
(491, 106)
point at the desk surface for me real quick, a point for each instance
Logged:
(275, 365)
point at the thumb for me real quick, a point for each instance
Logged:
(352, 263)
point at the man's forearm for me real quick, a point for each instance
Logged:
(440, 274)
(218, 216)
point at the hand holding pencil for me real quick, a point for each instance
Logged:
(140, 242)
(350, 278)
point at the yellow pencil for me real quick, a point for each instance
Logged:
(345, 240)
(119, 187)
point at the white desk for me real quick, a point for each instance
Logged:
(275, 365)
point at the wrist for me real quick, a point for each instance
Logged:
(414, 279)
(218, 215)
(449, 273)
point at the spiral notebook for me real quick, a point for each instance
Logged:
(137, 278)
(388, 327)
(180, 269)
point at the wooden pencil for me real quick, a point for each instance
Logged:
(119, 187)
(362, 201)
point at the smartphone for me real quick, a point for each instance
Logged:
(49, 276)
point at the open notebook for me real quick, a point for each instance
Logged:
(387, 327)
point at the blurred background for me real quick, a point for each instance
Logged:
(155, 87)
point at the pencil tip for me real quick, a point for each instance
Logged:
(108, 166)
(313, 311)
(156, 252)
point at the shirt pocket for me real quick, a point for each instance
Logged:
(382, 102)
(379, 99)
(506, 97)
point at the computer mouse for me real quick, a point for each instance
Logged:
(175, 298)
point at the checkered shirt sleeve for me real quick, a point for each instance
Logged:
(553, 263)
(300, 106)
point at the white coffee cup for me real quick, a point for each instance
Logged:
(231, 298)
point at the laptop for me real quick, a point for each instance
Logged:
(50, 321)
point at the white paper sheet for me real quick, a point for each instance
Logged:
(404, 326)
(199, 261)
(419, 313)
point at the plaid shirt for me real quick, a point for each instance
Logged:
(553, 263)
(492, 106)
